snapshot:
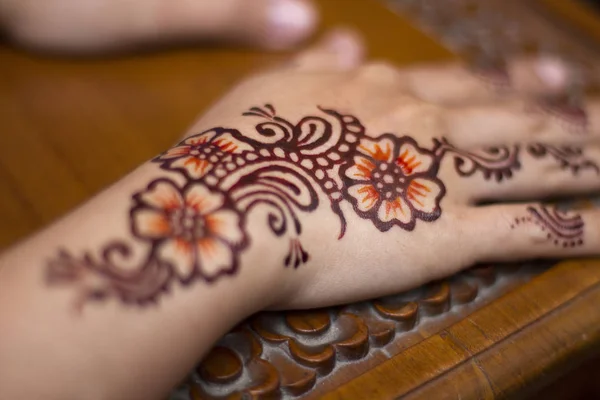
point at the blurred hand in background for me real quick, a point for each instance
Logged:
(89, 26)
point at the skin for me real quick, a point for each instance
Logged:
(92, 26)
(115, 351)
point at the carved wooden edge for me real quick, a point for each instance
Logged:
(288, 354)
(521, 340)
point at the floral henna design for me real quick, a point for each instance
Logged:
(569, 157)
(562, 227)
(197, 231)
(392, 181)
(198, 154)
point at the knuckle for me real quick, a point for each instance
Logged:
(379, 71)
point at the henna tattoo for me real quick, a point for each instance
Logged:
(393, 181)
(563, 228)
(197, 231)
(569, 157)
(498, 163)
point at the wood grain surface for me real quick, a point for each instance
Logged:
(71, 127)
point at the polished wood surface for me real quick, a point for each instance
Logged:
(71, 127)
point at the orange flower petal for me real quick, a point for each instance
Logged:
(203, 200)
(394, 209)
(422, 194)
(214, 256)
(201, 138)
(151, 224)
(412, 161)
(195, 167)
(380, 150)
(226, 225)
(176, 152)
(180, 254)
(228, 144)
(366, 196)
(361, 170)
(164, 195)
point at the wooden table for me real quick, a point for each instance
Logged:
(71, 127)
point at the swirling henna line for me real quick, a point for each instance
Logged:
(255, 197)
(335, 207)
(496, 162)
(277, 223)
(560, 224)
(104, 278)
(302, 189)
(275, 132)
(313, 138)
(226, 175)
(561, 227)
(569, 157)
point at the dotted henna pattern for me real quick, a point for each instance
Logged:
(563, 228)
(197, 230)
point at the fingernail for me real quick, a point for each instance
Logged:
(347, 45)
(291, 18)
(553, 72)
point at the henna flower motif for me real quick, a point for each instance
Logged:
(197, 233)
(392, 181)
(198, 154)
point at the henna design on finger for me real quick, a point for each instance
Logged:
(569, 157)
(498, 163)
(563, 228)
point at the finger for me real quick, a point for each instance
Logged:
(550, 119)
(531, 231)
(272, 24)
(455, 84)
(112, 24)
(523, 172)
(340, 49)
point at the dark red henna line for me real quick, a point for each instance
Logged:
(565, 229)
(496, 162)
(197, 232)
(569, 157)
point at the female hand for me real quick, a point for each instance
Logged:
(88, 26)
(351, 180)
(323, 181)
